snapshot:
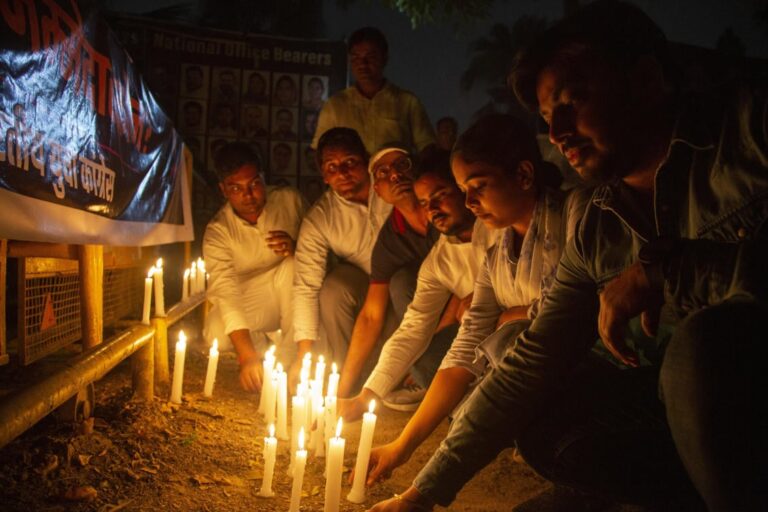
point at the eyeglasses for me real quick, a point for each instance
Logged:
(402, 166)
(241, 190)
(332, 168)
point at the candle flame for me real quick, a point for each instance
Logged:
(151, 272)
(279, 367)
(334, 368)
(215, 347)
(182, 336)
(159, 263)
(301, 438)
(371, 406)
(194, 267)
(186, 274)
(338, 428)
(271, 430)
(321, 359)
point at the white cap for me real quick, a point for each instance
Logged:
(384, 151)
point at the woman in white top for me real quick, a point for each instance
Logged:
(497, 163)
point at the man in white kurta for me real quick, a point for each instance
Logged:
(248, 248)
(345, 223)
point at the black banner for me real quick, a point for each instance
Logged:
(86, 153)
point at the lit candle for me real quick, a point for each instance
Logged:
(282, 403)
(147, 296)
(213, 363)
(330, 417)
(318, 434)
(185, 286)
(298, 413)
(298, 474)
(268, 365)
(357, 494)
(178, 368)
(200, 275)
(333, 381)
(193, 278)
(270, 455)
(269, 404)
(320, 372)
(159, 288)
(333, 471)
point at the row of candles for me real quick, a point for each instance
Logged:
(309, 408)
(195, 278)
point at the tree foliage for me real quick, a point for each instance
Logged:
(421, 12)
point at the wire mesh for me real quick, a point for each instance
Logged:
(51, 308)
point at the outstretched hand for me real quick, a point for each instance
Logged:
(384, 459)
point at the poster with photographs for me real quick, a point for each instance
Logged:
(221, 86)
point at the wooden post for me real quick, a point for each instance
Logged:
(162, 376)
(3, 299)
(143, 372)
(91, 260)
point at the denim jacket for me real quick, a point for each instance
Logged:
(711, 193)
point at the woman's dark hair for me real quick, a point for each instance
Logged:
(503, 140)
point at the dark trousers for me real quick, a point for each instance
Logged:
(609, 433)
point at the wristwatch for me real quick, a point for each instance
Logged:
(653, 256)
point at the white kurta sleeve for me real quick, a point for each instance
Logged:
(415, 333)
(223, 287)
(310, 263)
(478, 323)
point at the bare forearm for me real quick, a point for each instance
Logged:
(241, 340)
(364, 336)
(446, 391)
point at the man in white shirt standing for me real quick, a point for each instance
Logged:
(345, 222)
(379, 111)
(248, 248)
(449, 269)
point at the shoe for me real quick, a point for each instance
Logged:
(405, 399)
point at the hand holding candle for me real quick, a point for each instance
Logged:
(357, 494)
(213, 363)
(270, 456)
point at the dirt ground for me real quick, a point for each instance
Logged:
(205, 455)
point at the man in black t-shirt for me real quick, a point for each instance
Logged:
(403, 242)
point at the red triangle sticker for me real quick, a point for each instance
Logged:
(49, 317)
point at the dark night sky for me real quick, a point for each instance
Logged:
(429, 60)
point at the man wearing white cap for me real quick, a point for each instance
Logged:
(403, 242)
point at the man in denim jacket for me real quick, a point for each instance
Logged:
(680, 221)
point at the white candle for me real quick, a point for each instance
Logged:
(334, 470)
(282, 403)
(318, 435)
(320, 372)
(270, 403)
(147, 296)
(333, 381)
(270, 456)
(185, 286)
(159, 288)
(298, 474)
(200, 275)
(178, 368)
(193, 279)
(267, 365)
(213, 364)
(297, 424)
(357, 494)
